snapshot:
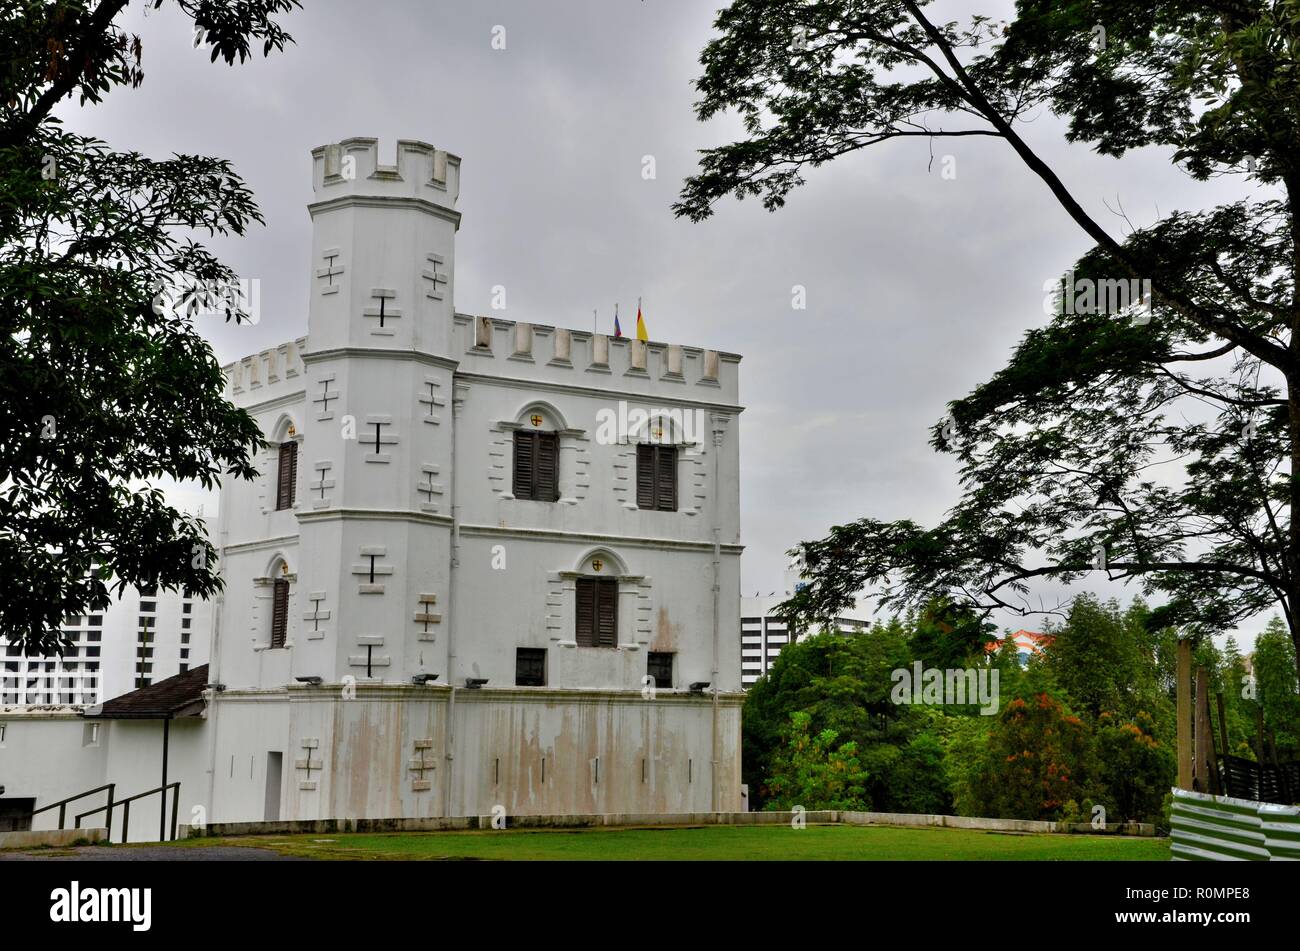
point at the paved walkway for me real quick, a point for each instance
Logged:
(150, 853)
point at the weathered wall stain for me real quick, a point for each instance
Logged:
(666, 632)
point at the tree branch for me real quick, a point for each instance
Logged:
(96, 26)
(1260, 346)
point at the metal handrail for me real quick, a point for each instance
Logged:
(126, 809)
(63, 808)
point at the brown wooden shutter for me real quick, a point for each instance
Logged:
(656, 477)
(645, 476)
(293, 472)
(288, 475)
(606, 612)
(525, 454)
(537, 466)
(280, 613)
(597, 612)
(585, 633)
(666, 478)
(548, 467)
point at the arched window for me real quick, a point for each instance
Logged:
(541, 436)
(287, 479)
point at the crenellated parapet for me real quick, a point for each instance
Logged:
(491, 345)
(352, 167)
(266, 374)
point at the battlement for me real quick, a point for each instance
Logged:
(557, 354)
(267, 370)
(580, 357)
(352, 167)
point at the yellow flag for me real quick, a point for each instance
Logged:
(640, 325)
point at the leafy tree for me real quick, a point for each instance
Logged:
(813, 772)
(1275, 684)
(947, 635)
(918, 781)
(841, 682)
(102, 386)
(1239, 716)
(1035, 761)
(1156, 643)
(1133, 769)
(1155, 439)
(965, 755)
(1096, 658)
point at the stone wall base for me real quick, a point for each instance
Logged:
(51, 837)
(632, 820)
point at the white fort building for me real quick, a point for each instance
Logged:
(488, 565)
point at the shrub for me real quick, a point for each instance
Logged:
(813, 772)
(1034, 762)
(1133, 769)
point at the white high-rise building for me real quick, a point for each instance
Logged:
(140, 638)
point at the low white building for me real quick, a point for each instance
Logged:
(488, 565)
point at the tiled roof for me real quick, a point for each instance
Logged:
(167, 698)
(1036, 641)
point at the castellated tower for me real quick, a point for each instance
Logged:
(486, 563)
(375, 530)
(489, 567)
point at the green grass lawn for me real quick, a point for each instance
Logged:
(816, 842)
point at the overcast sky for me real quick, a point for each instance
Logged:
(917, 286)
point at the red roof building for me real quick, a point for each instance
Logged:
(1027, 643)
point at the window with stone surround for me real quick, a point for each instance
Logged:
(288, 475)
(656, 477)
(537, 466)
(597, 612)
(280, 613)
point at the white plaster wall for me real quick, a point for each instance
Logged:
(363, 753)
(540, 365)
(48, 757)
(417, 554)
(246, 659)
(245, 729)
(384, 224)
(248, 512)
(135, 763)
(45, 756)
(506, 737)
(529, 603)
(596, 478)
(654, 755)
